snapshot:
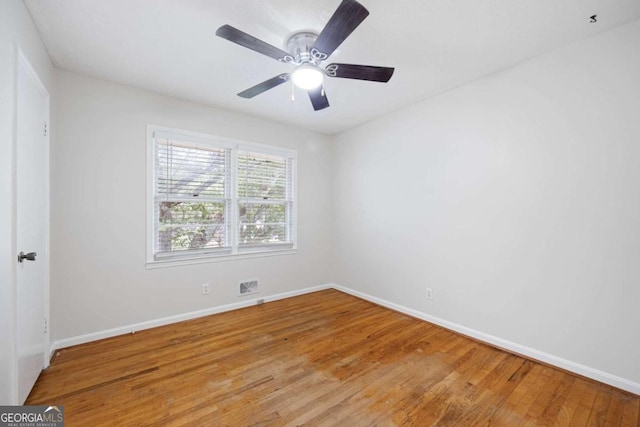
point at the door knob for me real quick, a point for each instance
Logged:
(31, 256)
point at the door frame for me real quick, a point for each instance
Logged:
(21, 61)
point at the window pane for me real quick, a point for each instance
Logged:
(190, 225)
(261, 176)
(262, 223)
(190, 171)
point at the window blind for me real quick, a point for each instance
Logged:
(192, 197)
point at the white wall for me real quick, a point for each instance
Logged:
(516, 198)
(16, 29)
(99, 280)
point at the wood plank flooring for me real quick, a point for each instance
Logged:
(325, 358)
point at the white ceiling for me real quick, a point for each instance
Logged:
(170, 47)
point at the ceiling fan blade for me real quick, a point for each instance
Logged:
(360, 72)
(345, 19)
(264, 86)
(243, 39)
(318, 98)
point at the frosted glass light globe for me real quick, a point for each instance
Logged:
(307, 76)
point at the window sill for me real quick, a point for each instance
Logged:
(150, 265)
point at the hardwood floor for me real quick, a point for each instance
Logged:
(325, 358)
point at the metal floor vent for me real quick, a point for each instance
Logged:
(248, 287)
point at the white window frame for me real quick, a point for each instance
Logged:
(154, 261)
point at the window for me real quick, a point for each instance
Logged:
(214, 197)
(264, 199)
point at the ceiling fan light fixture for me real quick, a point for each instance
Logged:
(307, 76)
(307, 50)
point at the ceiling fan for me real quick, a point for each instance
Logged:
(307, 50)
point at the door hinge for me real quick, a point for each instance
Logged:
(46, 326)
(44, 131)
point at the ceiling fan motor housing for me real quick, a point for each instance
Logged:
(300, 45)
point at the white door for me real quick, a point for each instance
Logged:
(32, 211)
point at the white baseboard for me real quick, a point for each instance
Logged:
(586, 371)
(550, 359)
(94, 336)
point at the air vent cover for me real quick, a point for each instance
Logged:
(248, 287)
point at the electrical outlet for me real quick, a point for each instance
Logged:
(429, 294)
(205, 289)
